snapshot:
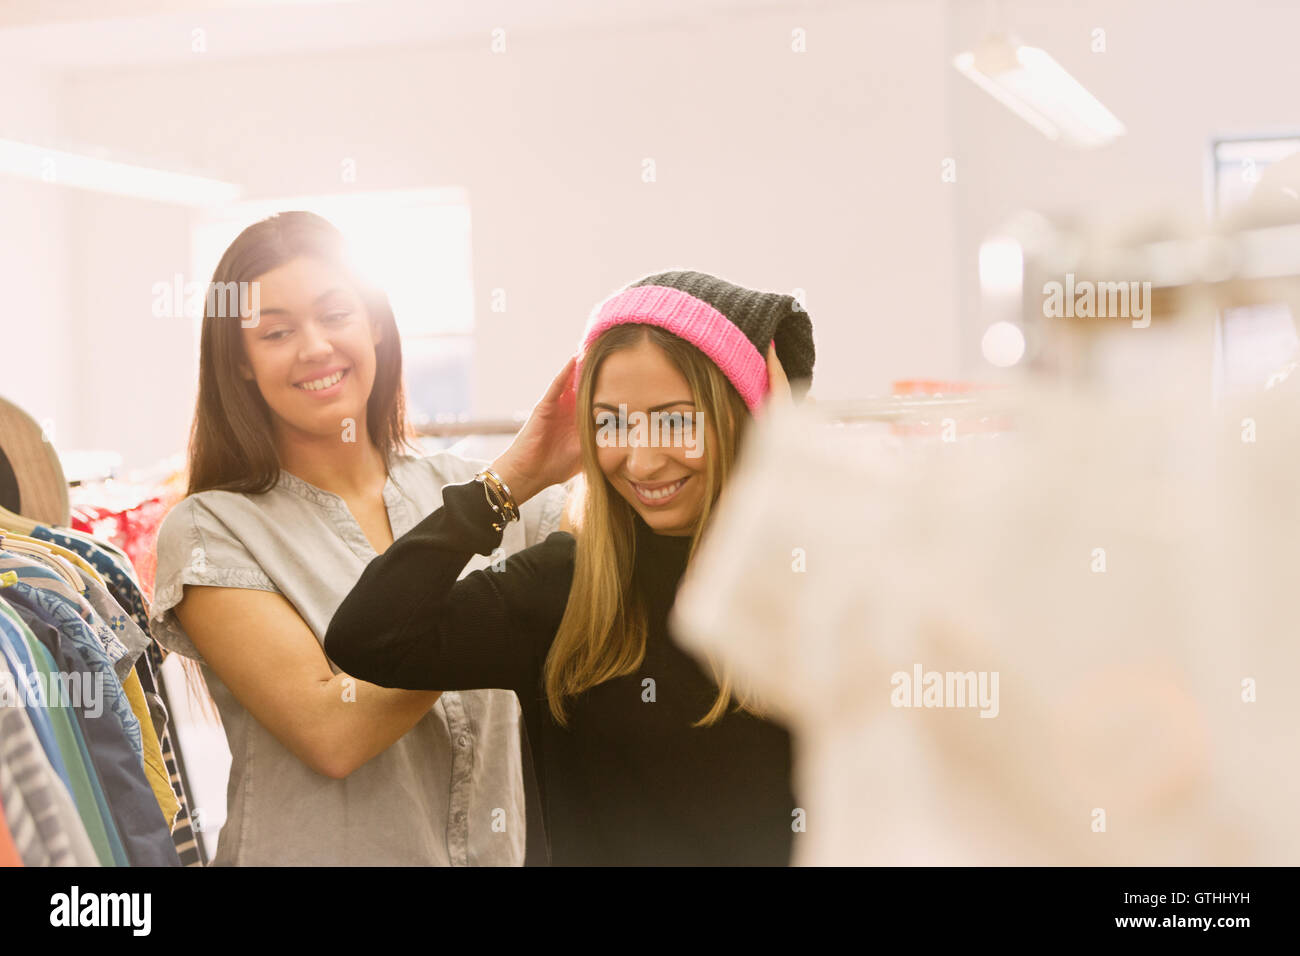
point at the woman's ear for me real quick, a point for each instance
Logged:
(376, 331)
(245, 371)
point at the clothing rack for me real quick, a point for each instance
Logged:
(462, 428)
(898, 408)
(89, 781)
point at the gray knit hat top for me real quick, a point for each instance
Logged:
(730, 324)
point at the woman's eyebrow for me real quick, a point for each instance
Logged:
(657, 408)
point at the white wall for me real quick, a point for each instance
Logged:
(818, 171)
(37, 339)
(782, 170)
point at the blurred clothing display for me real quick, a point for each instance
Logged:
(132, 530)
(1098, 607)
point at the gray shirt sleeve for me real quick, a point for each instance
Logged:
(541, 514)
(195, 547)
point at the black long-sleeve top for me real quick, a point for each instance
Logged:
(629, 781)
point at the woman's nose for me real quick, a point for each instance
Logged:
(644, 460)
(314, 344)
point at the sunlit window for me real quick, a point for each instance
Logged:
(1254, 344)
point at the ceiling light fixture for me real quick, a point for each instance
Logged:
(106, 176)
(1040, 91)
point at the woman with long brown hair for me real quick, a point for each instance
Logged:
(643, 756)
(300, 473)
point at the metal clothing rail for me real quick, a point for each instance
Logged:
(466, 427)
(893, 408)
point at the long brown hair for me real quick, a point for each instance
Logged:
(603, 632)
(232, 445)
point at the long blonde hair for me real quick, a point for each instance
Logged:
(603, 632)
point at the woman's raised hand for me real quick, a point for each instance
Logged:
(547, 449)
(778, 386)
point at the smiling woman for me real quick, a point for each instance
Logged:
(323, 347)
(655, 469)
(315, 318)
(300, 475)
(643, 756)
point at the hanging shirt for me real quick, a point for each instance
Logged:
(8, 851)
(22, 665)
(86, 790)
(43, 821)
(32, 570)
(111, 729)
(125, 589)
(89, 638)
(135, 641)
(448, 792)
(132, 638)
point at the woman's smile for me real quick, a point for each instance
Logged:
(660, 493)
(326, 385)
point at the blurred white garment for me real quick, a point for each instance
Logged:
(1127, 570)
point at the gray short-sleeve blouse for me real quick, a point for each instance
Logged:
(449, 792)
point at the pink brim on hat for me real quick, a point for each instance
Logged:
(691, 319)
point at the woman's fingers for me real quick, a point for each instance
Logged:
(778, 384)
(563, 382)
(549, 441)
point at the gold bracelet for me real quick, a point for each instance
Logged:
(498, 498)
(504, 498)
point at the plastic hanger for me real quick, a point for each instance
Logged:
(16, 544)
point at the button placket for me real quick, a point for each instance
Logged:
(462, 763)
(343, 518)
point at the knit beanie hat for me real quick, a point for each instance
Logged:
(730, 324)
